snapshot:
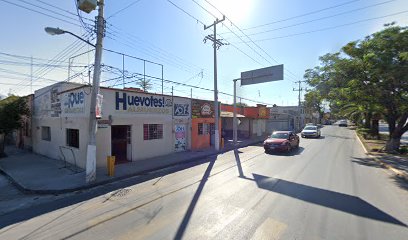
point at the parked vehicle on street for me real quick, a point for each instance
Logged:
(343, 123)
(311, 131)
(281, 141)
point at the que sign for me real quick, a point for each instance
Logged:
(74, 102)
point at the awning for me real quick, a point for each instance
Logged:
(226, 114)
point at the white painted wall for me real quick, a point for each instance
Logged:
(75, 115)
(48, 111)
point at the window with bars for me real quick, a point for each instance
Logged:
(203, 129)
(152, 131)
(73, 138)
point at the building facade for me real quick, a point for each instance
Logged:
(133, 125)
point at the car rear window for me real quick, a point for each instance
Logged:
(310, 128)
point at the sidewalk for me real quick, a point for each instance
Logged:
(394, 163)
(41, 175)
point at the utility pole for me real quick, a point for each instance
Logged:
(91, 150)
(31, 75)
(216, 44)
(300, 89)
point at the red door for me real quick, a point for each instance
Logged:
(119, 143)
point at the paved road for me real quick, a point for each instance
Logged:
(327, 189)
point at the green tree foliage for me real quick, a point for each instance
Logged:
(12, 109)
(368, 78)
(145, 84)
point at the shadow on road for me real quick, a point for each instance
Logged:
(294, 152)
(402, 183)
(84, 195)
(366, 162)
(326, 198)
(238, 161)
(312, 138)
(338, 136)
(193, 203)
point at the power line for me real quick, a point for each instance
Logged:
(247, 37)
(29, 58)
(46, 9)
(119, 11)
(303, 15)
(329, 28)
(42, 13)
(319, 19)
(198, 21)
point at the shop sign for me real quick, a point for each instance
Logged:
(263, 112)
(55, 103)
(206, 109)
(98, 107)
(202, 109)
(138, 103)
(180, 137)
(104, 123)
(181, 109)
(74, 102)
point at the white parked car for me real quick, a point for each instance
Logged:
(311, 131)
(343, 123)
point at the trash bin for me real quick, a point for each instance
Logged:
(111, 165)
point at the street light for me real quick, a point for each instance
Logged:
(58, 31)
(91, 148)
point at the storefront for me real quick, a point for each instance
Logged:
(202, 124)
(133, 126)
(251, 121)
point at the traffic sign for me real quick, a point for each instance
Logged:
(268, 74)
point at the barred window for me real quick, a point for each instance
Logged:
(73, 138)
(152, 131)
(46, 133)
(203, 129)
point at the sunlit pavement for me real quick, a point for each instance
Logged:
(326, 189)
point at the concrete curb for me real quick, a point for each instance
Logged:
(115, 179)
(385, 165)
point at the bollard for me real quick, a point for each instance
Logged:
(111, 165)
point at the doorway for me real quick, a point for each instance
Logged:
(120, 141)
(212, 134)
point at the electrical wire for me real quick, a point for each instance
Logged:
(329, 28)
(123, 9)
(319, 19)
(42, 13)
(303, 15)
(250, 40)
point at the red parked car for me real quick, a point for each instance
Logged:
(281, 141)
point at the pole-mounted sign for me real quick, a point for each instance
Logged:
(268, 74)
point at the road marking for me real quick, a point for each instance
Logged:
(269, 229)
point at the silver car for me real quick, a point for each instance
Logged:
(310, 131)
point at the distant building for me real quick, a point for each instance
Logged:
(286, 118)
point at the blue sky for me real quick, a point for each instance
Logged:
(292, 32)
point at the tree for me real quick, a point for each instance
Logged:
(145, 84)
(12, 109)
(313, 100)
(369, 78)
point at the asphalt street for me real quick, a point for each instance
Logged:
(326, 189)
